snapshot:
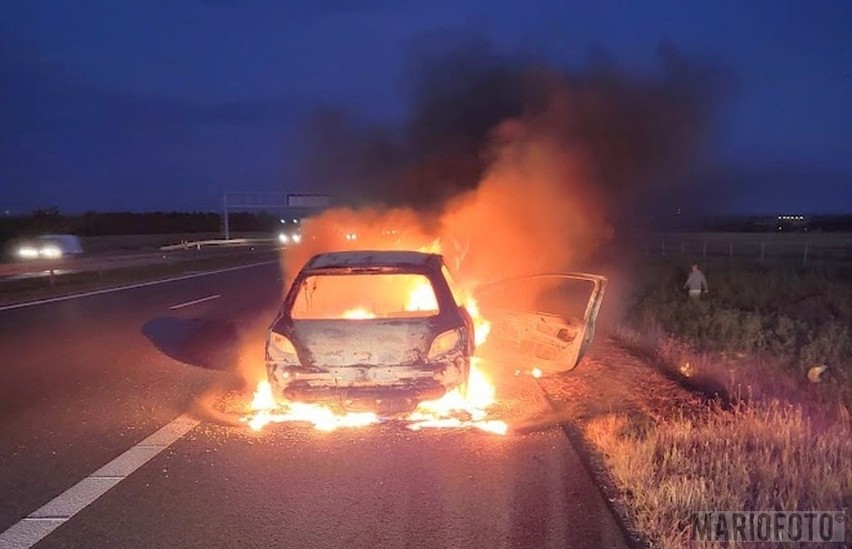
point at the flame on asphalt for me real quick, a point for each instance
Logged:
(453, 410)
(461, 410)
(267, 410)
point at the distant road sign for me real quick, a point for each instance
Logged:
(308, 200)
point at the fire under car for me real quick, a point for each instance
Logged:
(385, 330)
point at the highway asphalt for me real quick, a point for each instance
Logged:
(84, 380)
(39, 268)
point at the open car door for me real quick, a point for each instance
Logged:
(544, 321)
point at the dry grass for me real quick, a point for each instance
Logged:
(794, 318)
(758, 456)
(784, 444)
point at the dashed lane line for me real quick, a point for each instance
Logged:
(41, 522)
(129, 286)
(195, 302)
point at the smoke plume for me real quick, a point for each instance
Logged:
(509, 166)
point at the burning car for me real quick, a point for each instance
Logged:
(378, 330)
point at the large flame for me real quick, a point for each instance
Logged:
(453, 410)
(422, 298)
(267, 410)
(360, 313)
(481, 326)
(461, 410)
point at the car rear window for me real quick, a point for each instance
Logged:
(365, 296)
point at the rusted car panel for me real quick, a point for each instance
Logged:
(396, 259)
(545, 340)
(374, 343)
(375, 363)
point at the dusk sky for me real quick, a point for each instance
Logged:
(162, 105)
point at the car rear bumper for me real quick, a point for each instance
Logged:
(369, 387)
(304, 392)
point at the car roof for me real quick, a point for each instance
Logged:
(373, 258)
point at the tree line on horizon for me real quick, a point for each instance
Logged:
(52, 220)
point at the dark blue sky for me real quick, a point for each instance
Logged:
(159, 104)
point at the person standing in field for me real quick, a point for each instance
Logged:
(696, 283)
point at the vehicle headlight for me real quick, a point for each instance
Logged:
(296, 238)
(444, 343)
(27, 252)
(279, 348)
(282, 238)
(50, 251)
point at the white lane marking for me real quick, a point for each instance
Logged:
(130, 286)
(73, 500)
(30, 530)
(195, 301)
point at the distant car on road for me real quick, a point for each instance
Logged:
(378, 330)
(50, 246)
(290, 237)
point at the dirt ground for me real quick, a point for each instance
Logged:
(610, 379)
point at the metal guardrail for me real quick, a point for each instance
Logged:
(66, 265)
(232, 242)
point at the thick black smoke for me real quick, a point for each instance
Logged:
(635, 138)
(510, 167)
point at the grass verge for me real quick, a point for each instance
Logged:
(763, 437)
(788, 319)
(755, 456)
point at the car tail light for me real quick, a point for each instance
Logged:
(279, 347)
(444, 343)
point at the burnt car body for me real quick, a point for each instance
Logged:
(386, 359)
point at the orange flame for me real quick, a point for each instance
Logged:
(422, 298)
(360, 313)
(481, 326)
(446, 411)
(267, 411)
(453, 410)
